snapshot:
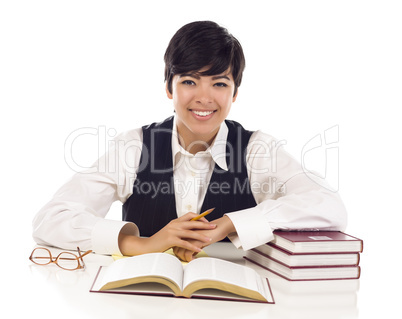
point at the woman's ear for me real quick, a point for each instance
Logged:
(169, 95)
(235, 96)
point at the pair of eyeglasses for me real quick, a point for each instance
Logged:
(65, 260)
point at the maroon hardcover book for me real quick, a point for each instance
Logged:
(308, 259)
(317, 242)
(302, 273)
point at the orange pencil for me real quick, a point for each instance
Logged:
(203, 214)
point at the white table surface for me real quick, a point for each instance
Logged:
(45, 291)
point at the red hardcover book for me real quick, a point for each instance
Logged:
(308, 259)
(302, 273)
(317, 242)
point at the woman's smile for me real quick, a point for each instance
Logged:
(202, 115)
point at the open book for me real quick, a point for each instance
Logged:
(163, 274)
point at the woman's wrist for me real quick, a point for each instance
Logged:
(224, 227)
(130, 245)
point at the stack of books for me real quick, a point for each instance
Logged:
(310, 255)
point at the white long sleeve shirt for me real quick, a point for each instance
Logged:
(287, 197)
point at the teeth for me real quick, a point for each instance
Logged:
(203, 113)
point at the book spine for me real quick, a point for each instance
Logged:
(310, 279)
(301, 267)
(290, 253)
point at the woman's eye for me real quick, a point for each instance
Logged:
(221, 84)
(188, 82)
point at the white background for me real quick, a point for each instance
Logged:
(311, 66)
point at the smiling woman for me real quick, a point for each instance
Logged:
(219, 163)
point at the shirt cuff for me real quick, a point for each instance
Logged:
(252, 228)
(105, 235)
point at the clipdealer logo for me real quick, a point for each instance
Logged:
(105, 141)
(319, 156)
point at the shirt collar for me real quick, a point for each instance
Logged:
(217, 149)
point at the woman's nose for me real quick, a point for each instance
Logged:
(204, 95)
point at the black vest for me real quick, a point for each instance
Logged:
(152, 204)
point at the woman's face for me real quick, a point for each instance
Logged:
(201, 103)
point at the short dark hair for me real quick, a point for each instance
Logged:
(204, 44)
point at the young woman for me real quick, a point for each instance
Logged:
(168, 172)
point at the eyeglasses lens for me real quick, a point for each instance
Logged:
(41, 256)
(68, 261)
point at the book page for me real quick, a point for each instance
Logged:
(225, 271)
(148, 288)
(147, 265)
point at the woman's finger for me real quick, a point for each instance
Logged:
(190, 216)
(192, 235)
(187, 216)
(198, 225)
(186, 245)
(188, 255)
(184, 254)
